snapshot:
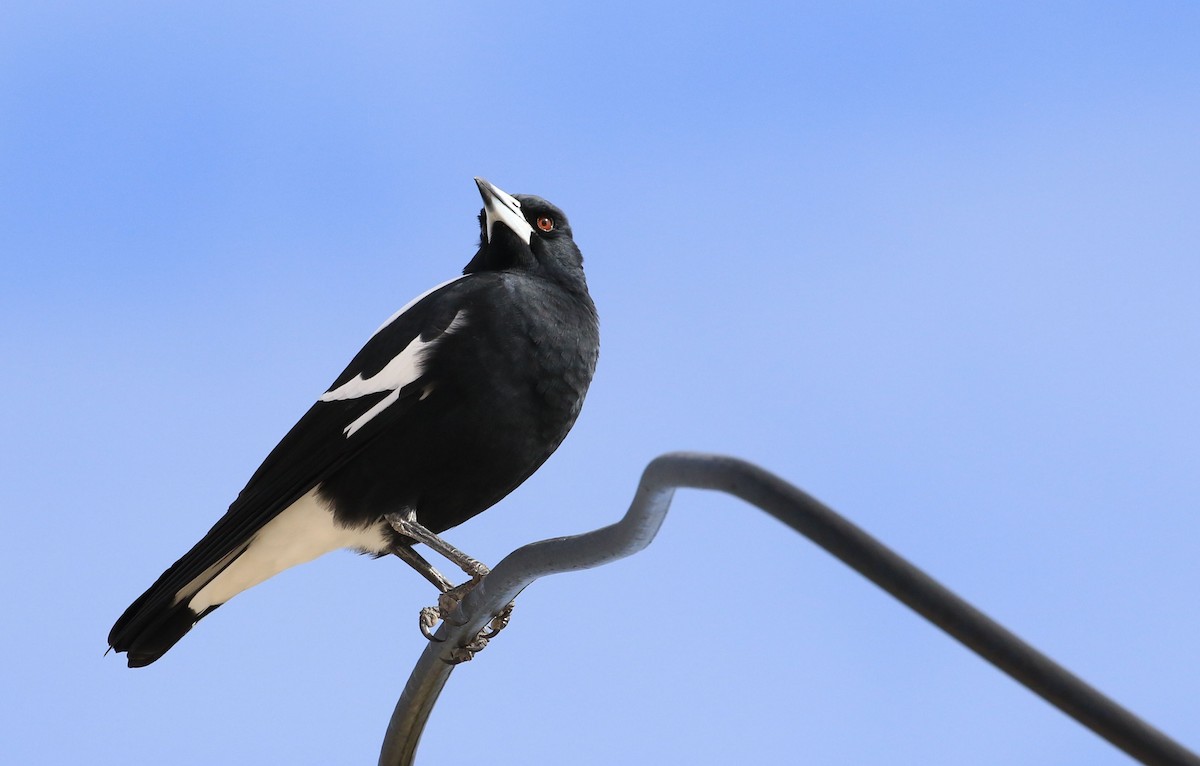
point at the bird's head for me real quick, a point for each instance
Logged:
(524, 233)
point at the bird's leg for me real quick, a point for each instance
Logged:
(423, 567)
(430, 615)
(451, 595)
(407, 525)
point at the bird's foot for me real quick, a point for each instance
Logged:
(497, 623)
(467, 652)
(448, 601)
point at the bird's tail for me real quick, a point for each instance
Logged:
(162, 615)
(146, 634)
(166, 612)
(218, 568)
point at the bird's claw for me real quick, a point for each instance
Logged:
(430, 617)
(467, 652)
(497, 623)
(448, 602)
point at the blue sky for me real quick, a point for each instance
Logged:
(936, 263)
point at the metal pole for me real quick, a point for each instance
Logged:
(814, 520)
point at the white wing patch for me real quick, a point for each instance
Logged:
(404, 368)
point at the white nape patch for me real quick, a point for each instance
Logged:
(404, 368)
(305, 530)
(415, 301)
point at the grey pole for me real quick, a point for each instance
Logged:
(814, 520)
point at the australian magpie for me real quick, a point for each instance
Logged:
(458, 398)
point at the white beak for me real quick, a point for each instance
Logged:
(499, 205)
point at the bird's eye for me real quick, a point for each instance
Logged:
(545, 224)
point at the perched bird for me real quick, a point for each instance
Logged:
(457, 399)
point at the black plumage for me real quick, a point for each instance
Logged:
(451, 405)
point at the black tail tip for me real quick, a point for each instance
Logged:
(139, 657)
(146, 640)
(142, 659)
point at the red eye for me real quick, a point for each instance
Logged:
(545, 224)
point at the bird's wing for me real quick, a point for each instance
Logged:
(377, 388)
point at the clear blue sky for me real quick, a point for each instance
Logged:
(937, 263)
